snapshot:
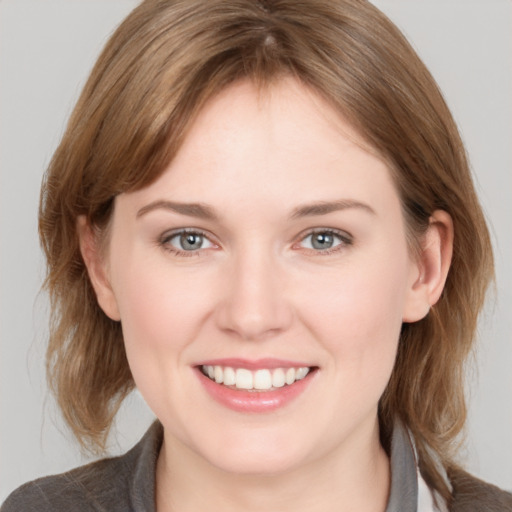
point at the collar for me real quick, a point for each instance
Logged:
(403, 495)
(409, 491)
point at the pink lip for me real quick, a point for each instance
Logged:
(257, 364)
(253, 401)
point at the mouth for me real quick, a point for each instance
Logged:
(263, 379)
(255, 387)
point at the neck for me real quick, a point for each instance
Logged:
(352, 477)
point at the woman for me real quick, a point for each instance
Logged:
(261, 215)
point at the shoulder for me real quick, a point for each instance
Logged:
(121, 484)
(473, 495)
(87, 488)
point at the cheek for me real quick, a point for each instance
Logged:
(161, 313)
(159, 304)
(152, 313)
(357, 315)
(156, 310)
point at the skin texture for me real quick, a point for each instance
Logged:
(257, 288)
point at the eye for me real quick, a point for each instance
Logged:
(325, 240)
(186, 241)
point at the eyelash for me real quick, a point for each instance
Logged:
(342, 236)
(345, 239)
(167, 237)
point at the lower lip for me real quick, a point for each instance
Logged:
(254, 401)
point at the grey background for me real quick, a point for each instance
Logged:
(46, 50)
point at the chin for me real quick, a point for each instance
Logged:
(256, 455)
(258, 465)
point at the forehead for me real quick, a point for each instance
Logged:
(281, 143)
(285, 109)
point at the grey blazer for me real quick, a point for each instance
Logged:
(127, 484)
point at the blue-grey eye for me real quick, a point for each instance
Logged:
(189, 241)
(322, 240)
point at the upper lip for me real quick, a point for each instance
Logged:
(254, 364)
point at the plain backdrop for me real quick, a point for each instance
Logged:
(46, 51)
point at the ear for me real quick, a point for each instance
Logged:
(430, 268)
(97, 268)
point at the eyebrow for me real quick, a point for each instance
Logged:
(205, 212)
(325, 207)
(198, 210)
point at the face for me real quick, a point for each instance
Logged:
(271, 254)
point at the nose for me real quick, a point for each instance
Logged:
(254, 304)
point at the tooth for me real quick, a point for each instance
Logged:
(290, 376)
(218, 374)
(244, 379)
(229, 376)
(301, 373)
(262, 379)
(278, 378)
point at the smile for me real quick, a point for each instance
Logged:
(258, 380)
(259, 386)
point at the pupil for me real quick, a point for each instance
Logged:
(191, 241)
(322, 241)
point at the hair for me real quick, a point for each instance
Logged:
(156, 72)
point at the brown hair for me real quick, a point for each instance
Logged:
(161, 65)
